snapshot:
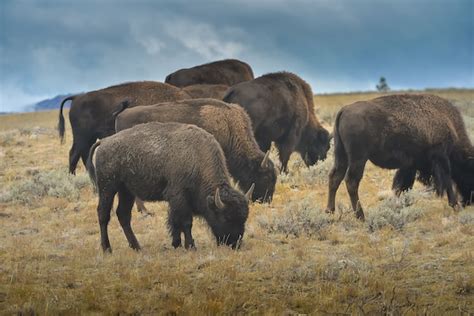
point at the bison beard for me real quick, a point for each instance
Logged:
(416, 134)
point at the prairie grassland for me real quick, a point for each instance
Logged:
(412, 255)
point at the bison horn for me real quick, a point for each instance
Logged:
(331, 136)
(265, 160)
(217, 200)
(249, 193)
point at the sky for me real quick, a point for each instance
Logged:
(57, 47)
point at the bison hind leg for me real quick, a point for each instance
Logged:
(336, 175)
(124, 214)
(353, 176)
(403, 180)
(106, 200)
(79, 150)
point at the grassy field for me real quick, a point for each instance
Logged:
(413, 255)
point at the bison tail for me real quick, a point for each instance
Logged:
(90, 165)
(339, 150)
(61, 125)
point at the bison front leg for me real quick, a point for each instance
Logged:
(403, 180)
(442, 179)
(188, 237)
(124, 214)
(353, 177)
(180, 220)
(175, 228)
(285, 148)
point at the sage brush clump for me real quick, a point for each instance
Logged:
(54, 183)
(298, 218)
(394, 211)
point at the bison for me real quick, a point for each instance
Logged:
(178, 163)
(214, 91)
(91, 113)
(281, 108)
(414, 133)
(227, 72)
(231, 127)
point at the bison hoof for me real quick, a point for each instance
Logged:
(329, 211)
(107, 250)
(457, 207)
(136, 247)
(360, 216)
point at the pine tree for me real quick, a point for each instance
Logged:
(383, 86)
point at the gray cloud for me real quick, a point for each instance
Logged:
(53, 47)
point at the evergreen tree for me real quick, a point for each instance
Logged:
(383, 86)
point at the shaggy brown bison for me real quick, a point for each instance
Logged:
(213, 91)
(281, 108)
(91, 113)
(422, 134)
(178, 163)
(231, 127)
(228, 72)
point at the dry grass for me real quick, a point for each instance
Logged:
(413, 255)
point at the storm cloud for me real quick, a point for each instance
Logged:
(54, 47)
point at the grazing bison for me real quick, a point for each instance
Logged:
(213, 91)
(231, 127)
(422, 134)
(228, 72)
(178, 163)
(281, 108)
(91, 113)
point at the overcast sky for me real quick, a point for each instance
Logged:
(56, 47)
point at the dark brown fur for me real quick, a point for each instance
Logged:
(414, 133)
(91, 113)
(213, 91)
(231, 127)
(178, 163)
(282, 111)
(227, 72)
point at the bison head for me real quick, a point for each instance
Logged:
(314, 145)
(263, 174)
(229, 210)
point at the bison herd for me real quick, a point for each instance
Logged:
(183, 141)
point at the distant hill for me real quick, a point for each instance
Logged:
(51, 104)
